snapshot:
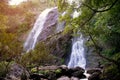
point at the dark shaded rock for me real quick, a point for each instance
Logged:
(78, 74)
(79, 69)
(91, 71)
(17, 72)
(51, 75)
(62, 69)
(2, 78)
(94, 76)
(37, 76)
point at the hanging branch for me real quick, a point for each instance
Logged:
(88, 19)
(94, 10)
(98, 51)
(96, 46)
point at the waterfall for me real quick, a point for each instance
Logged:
(77, 57)
(37, 29)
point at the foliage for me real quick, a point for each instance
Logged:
(99, 20)
(111, 73)
(15, 21)
(58, 71)
(4, 68)
(39, 56)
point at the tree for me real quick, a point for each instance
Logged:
(98, 19)
(10, 48)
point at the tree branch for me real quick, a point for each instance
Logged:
(94, 10)
(88, 19)
(98, 51)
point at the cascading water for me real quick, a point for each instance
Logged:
(37, 29)
(77, 57)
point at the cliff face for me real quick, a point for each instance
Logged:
(49, 25)
(60, 46)
(49, 31)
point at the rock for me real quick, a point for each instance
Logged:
(60, 46)
(64, 78)
(2, 78)
(49, 25)
(95, 73)
(79, 69)
(78, 74)
(67, 78)
(91, 71)
(51, 75)
(17, 72)
(63, 67)
(94, 76)
(37, 76)
(74, 78)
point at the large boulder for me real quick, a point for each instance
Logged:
(73, 72)
(74, 78)
(17, 72)
(37, 76)
(78, 72)
(64, 78)
(94, 70)
(95, 74)
(67, 78)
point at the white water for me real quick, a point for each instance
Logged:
(77, 57)
(37, 29)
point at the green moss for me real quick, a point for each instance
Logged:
(58, 71)
(46, 72)
(33, 70)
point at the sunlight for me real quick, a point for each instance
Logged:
(16, 2)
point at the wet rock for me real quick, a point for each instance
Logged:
(67, 78)
(94, 76)
(37, 76)
(78, 74)
(74, 78)
(73, 72)
(64, 78)
(94, 70)
(63, 67)
(17, 72)
(79, 69)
